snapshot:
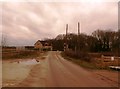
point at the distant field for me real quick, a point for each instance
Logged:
(13, 54)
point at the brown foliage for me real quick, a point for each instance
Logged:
(20, 54)
(78, 55)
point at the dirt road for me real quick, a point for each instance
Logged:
(55, 71)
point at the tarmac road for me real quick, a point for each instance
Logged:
(55, 71)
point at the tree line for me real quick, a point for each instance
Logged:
(98, 41)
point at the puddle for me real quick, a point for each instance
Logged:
(15, 72)
(29, 62)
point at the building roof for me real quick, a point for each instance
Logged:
(44, 43)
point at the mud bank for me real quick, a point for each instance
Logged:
(13, 72)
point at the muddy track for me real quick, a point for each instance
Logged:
(55, 71)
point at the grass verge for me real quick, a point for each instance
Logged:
(82, 63)
(20, 54)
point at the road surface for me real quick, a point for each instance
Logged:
(55, 71)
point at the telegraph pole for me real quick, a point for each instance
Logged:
(66, 36)
(78, 37)
(78, 28)
(65, 44)
(66, 30)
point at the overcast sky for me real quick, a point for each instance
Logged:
(23, 23)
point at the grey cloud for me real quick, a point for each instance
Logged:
(26, 22)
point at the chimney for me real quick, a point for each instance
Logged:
(78, 28)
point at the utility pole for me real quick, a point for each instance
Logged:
(66, 30)
(78, 28)
(66, 36)
(78, 37)
(65, 44)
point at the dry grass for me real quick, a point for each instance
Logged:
(78, 55)
(85, 64)
(94, 62)
(20, 54)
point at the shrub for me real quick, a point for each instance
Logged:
(78, 55)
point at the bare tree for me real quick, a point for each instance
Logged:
(4, 41)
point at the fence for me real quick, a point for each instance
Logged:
(106, 61)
